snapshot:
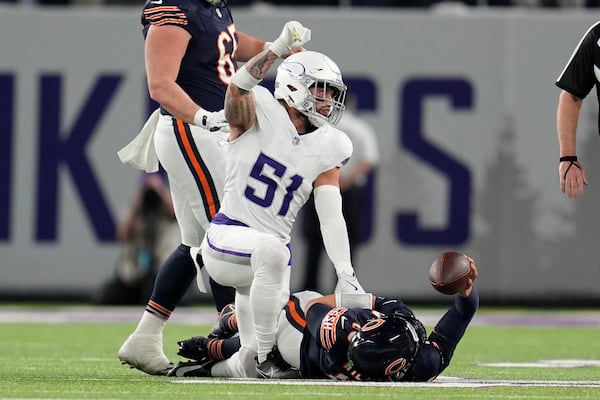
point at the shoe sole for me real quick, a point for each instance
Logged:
(125, 360)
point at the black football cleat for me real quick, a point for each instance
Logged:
(226, 325)
(193, 348)
(275, 367)
(192, 369)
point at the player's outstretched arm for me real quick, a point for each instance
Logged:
(240, 105)
(328, 203)
(452, 326)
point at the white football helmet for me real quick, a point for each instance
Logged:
(305, 69)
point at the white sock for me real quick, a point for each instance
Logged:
(150, 324)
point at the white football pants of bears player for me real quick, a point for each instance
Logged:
(194, 159)
(257, 265)
(290, 328)
(291, 324)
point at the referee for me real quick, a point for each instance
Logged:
(577, 79)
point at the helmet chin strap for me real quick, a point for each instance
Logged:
(316, 121)
(213, 2)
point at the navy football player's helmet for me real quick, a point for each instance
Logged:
(305, 69)
(385, 348)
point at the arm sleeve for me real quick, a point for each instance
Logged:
(452, 326)
(328, 203)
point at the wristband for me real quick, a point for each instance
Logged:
(354, 300)
(201, 118)
(568, 158)
(572, 160)
(244, 80)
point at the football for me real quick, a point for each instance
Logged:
(449, 272)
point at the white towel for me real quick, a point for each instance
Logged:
(194, 251)
(140, 152)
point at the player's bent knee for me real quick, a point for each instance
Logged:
(270, 254)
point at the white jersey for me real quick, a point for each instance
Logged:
(271, 169)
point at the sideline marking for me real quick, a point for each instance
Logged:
(206, 315)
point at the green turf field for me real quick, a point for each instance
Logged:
(76, 360)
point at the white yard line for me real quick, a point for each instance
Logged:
(440, 382)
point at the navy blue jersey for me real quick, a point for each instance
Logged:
(325, 342)
(329, 331)
(208, 64)
(581, 72)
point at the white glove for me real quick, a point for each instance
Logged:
(292, 36)
(212, 121)
(348, 284)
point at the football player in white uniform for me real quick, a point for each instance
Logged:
(191, 49)
(280, 149)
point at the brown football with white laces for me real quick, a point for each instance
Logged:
(450, 272)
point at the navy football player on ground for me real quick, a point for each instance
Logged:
(345, 336)
(191, 49)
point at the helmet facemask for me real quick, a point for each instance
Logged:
(336, 103)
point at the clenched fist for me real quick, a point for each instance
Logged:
(292, 36)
